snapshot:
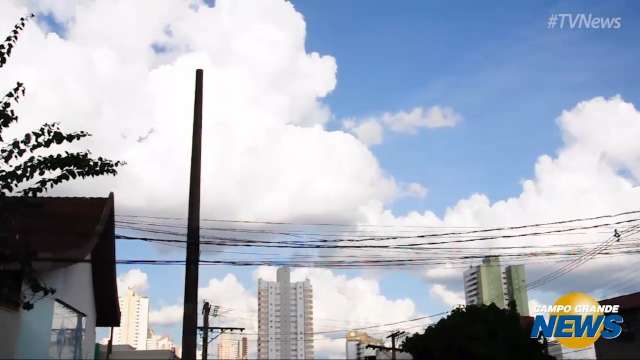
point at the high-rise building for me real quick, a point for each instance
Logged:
(516, 288)
(483, 283)
(134, 321)
(357, 342)
(285, 318)
(244, 348)
(487, 283)
(232, 347)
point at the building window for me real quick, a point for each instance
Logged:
(67, 332)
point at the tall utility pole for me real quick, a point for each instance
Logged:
(189, 317)
(205, 328)
(393, 337)
(206, 307)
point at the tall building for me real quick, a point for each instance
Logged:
(231, 347)
(134, 321)
(487, 283)
(516, 288)
(357, 342)
(244, 348)
(285, 318)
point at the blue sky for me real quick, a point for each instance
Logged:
(499, 67)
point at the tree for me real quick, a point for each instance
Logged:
(21, 169)
(476, 332)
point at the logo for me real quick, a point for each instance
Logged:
(576, 320)
(583, 21)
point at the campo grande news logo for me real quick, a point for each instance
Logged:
(576, 320)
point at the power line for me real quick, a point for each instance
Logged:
(383, 225)
(314, 244)
(579, 261)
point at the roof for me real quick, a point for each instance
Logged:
(626, 302)
(66, 230)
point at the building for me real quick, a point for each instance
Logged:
(515, 288)
(244, 349)
(129, 352)
(230, 346)
(356, 345)
(134, 321)
(627, 345)
(285, 318)
(159, 342)
(66, 245)
(488, 283)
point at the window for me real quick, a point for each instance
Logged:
(67, 332)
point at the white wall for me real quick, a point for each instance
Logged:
(27, 333)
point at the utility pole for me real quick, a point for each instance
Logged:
(393, 337)
(205, 335)
(393, 348)
(205, 328)
(205, 324)
(189, 317)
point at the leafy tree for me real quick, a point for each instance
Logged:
(21, 169)
(476, 332)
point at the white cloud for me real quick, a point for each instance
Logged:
(263, 112)
(134, 279)
(441, 273)
(370, 132)
(239, 306)
(447, 296)
(416, 190)
(596, 171)
(166, 315)
(410, 121)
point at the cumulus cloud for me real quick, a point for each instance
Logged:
(410, 121)
(166, 315)
(440, 273)
(447, 296)
(371, 130)
(415, 189)
(134, 279)
(263, 112)
(594, 172)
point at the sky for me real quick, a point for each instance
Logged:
(365, 113)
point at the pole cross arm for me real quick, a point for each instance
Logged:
(221, 328)
(378, 347)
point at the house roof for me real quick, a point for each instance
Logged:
(626, 302)
(64, 230)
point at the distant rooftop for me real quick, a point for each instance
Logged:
(626, 302)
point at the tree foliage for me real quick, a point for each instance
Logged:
(22, 170)
(476, 332)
